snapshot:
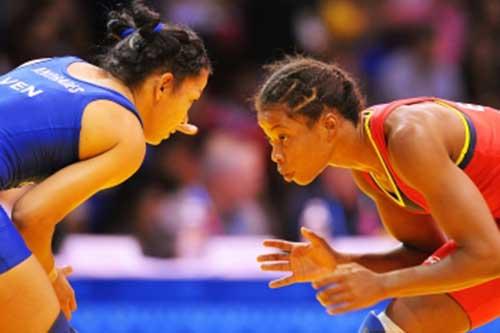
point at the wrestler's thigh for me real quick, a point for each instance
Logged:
(430, 313)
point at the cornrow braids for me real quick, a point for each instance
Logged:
(143, 45)
(306, 86)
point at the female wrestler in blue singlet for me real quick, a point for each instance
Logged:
(75, 129)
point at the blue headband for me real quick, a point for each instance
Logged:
(127, 32)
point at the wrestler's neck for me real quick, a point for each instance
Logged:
(354, 150)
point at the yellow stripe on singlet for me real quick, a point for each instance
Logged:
(398, 199)
(466, 145)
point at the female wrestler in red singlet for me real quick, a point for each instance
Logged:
(433, 169)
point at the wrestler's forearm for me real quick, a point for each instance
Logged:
(457, 271)
(39, 241)
(38, 211)
(398, 258)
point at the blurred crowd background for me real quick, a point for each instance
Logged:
(222, 181)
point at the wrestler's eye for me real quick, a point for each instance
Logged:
(283, 138)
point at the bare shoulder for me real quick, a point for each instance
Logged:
(409, 118)
(96, 75)
(421, 138)
(106, 124)
(421, 127)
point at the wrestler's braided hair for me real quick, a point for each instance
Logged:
(306, 86)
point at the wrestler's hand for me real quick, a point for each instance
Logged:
(350, 287)
(64, 291)
(307, 261)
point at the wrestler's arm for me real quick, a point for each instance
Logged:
(119, 152)
(420, 157)
(306, 262)
(418, 234)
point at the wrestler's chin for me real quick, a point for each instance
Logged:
(155, 141)
(301, 180)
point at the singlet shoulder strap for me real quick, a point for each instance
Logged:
(374, 118)
(111, 94)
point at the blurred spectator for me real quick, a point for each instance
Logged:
(413, 70)
(346, 20)
(339, 209)
(223, 199)
(482, 66)
(311, 32)
(48, 28)
(233, 173)
(446, 19)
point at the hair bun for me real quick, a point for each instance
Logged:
(147, 30)
(181, 36)
(172, 45)
(144, 45)
(118, 23)
(143, 15)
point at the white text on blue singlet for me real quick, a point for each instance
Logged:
(20, 86)
(69, 84)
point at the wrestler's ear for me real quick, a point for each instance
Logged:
(164, 85)
(329, 122)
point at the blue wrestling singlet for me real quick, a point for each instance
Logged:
(41, 108)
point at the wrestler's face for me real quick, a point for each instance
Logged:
(301, 148)
(171, 103)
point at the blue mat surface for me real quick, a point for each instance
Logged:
(207, 306)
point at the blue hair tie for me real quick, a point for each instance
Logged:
(127, 32)
(159, 27)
